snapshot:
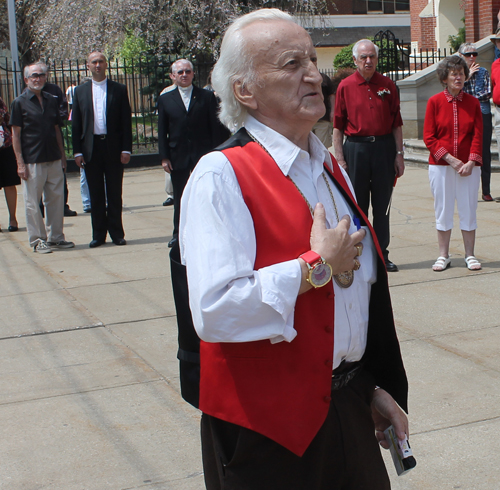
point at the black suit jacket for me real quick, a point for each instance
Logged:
(118, 120)
(185, 136)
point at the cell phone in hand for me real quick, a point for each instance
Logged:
(401, 452)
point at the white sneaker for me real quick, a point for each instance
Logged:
(42, 248)
(61, 244)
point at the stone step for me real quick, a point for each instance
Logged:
(417, 154)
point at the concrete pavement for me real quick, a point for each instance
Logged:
(89, 395)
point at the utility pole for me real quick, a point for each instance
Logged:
(16, 67)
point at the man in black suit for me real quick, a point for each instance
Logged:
(188, 128)
(102, 143)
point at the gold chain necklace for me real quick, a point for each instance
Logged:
(344, 279)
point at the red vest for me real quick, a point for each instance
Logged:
(279, 390)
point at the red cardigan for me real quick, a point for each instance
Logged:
(461, 136)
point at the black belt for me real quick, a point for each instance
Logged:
(369, 139)
(344, 373)
(100, 136)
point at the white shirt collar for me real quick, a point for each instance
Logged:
(281, 149)
(102, 82)
(185, 89)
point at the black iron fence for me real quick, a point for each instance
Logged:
(397, 60)
(145, 78)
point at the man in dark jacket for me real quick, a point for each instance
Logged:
(187, 129)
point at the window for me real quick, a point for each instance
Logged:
(388, 6)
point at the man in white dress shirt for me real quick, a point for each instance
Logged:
(102, 144)
(300, 373)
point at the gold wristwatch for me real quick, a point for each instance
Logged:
(320, 272)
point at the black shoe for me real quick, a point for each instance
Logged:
(169, 202)
(69, 212)
(87, 210)
(391, 266)
(171, 243)
(120, 241)
(13, 228)
(96, 243)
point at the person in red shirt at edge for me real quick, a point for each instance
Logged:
(367, 112)
(453, 133)
(300, 374)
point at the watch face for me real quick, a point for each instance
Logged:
(321, 274)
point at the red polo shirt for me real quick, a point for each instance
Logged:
(367, 108)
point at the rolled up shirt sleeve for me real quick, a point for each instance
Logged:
(229, 300)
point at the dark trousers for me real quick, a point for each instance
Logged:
(371, 170)
(486, 168)
(344, 455)
(105, 179)
(179, 181)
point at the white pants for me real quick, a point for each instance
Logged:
(47, 179)
(448, 186)
(169, 188)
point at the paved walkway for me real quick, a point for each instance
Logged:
(89, 395)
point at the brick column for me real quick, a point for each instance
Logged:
(480, 18)
(471, 12)
(423, 29)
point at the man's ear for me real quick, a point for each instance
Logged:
(244, 95)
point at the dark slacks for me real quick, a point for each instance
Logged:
(179, 181)
(371, 170)
(486, 168)
(344, 455)
(189, 342)
(105, 179)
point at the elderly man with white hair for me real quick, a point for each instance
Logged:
(300, 374)
(187, 129)
(367, 112)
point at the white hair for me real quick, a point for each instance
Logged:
(41, 64)
(236, 64)
(363, 41)
(466, 47)
(172, 68)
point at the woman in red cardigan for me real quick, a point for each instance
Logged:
(453, 131)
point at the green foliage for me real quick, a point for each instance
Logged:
(456, 41)
(344, 58)
(133, 47)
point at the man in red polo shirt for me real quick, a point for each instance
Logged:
(367, 113)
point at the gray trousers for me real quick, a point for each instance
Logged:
(44, 180)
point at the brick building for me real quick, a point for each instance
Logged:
(351, 20)
(432, 21)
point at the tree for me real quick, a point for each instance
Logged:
(67, 29)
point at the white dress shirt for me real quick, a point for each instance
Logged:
(232, 302)
(99, 96)
(185, 93)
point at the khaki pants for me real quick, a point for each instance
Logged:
(324, 131)
(45, 179)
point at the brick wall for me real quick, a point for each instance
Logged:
(480, 18)
(422, 29)
(343, 7)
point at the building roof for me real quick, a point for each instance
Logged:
(343, 36)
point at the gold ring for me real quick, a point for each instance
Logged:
(359, 249)
(357, 265)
